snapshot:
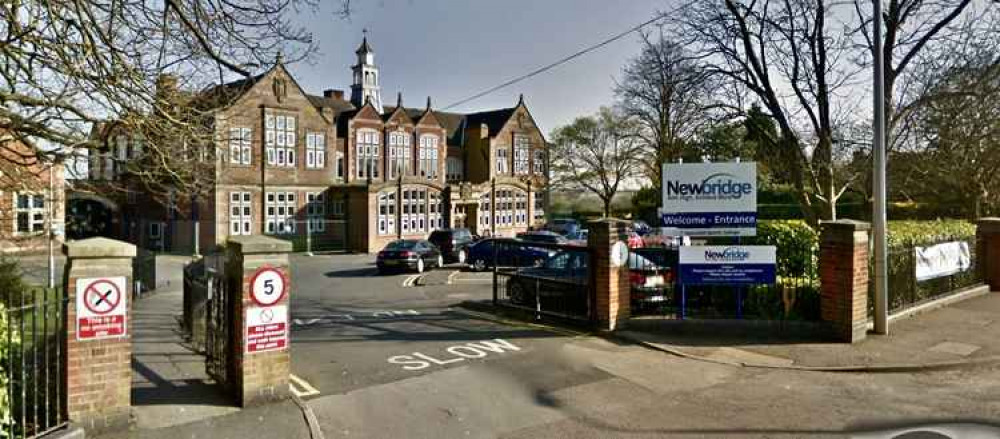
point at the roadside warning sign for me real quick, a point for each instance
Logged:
(266, 328)
(101, 305)
(267, 286)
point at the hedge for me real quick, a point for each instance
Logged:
(904, 233)
(11, 285)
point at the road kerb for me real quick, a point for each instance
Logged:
(863, 368)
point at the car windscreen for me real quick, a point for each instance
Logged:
(401, 245)
(438, 236)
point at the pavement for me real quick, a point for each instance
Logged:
(960, 333)
(385, 357)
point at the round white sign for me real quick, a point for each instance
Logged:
(267, 286)
(619, 254)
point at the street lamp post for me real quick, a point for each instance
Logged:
(878, 207)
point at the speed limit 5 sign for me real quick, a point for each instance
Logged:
(267, 286)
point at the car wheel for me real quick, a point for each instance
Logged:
(479, 265)
(420, 265)
(461, 256)
(518, 293)
(440, 261)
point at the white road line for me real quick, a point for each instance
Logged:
(307, 390)
(451, 276)
(410, 280)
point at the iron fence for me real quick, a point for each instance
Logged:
(546, 279)
(32, 378)
(794, 295)
(906, 291)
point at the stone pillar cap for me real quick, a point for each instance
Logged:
(846, 225)
(94, 248)
(256, 244)
(988, 224)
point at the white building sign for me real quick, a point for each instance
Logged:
(710, 199)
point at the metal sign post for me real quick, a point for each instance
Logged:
(878, 207)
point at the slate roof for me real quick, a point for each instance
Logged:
(494, 119)
(338, 105)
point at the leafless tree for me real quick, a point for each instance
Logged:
(789, 55)
(668, 93)
(71, 66)
(598, 154)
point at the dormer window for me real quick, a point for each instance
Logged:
(521, 147)
(429, 156)
(399, 154)
(366, 146)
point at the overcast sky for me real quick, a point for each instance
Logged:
(452, 49)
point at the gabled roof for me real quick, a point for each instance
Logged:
(234, 89)
(452, 122)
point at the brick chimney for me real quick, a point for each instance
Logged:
(331, 93)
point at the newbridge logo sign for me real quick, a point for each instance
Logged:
(710, 199)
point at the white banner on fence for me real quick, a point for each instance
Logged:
(942, 259)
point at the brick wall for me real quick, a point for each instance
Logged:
(609, 282)
(843, 266)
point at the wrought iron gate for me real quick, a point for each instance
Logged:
(32, 351)
(220, 323)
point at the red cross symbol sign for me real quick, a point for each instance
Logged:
(102, 296)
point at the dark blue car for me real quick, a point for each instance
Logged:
(509, 253)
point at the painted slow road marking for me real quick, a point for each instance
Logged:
(408, 282)
(301, 387)
(387, 314)
(456, 353)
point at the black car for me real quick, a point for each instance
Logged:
(561, 279)
(453, 243)
(507, 252)
(408, 254)
(543, 237)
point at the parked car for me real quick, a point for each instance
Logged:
(578, 238)
(563, 226)
(652, 272)
(635, 241)
(409, 254)
(509, 253)
(453, 243)
(543, 237)
(641, 228)
(561, 279)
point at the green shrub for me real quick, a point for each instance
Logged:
(796, 245)
(11, 285)
(927, 232)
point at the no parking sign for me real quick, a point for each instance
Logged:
(101, 307)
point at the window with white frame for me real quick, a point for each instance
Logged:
(29, 212)
(155, 230)
(539, 162)
(508, 208)
(279, 139)
(422, 210)
(239, 146)
(399, 154)
(316, 211)
(454, 168)
(428, 156)
(120, 154)
(315, 150)
(521, 147)
(240, 218)
(366, 146)
(539, 212)
(434, 217)
(279, 217)
(502, 160)
(520, 208)
(387, 213)
(484, 210)
(337, 207)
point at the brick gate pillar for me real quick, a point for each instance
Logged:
(259, 278)
(98, 360)
(843, 267)
(988, 251)
(609, 273)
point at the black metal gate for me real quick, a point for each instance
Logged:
(220, 323)
(546, 279)
(32, 350)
